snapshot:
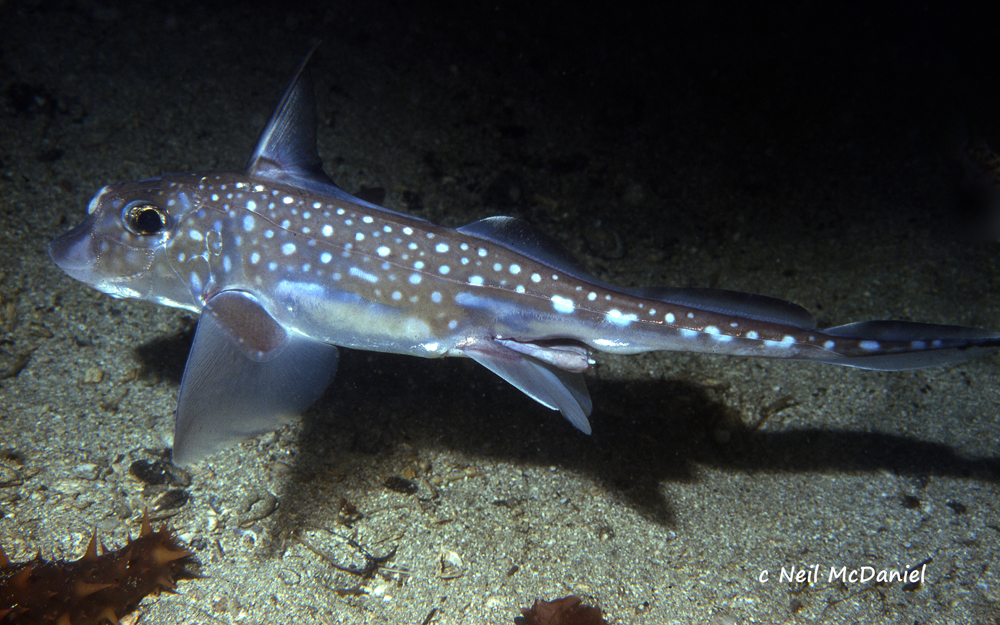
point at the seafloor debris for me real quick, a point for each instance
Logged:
(95, 589)
(566, 611)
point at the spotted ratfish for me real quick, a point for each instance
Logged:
(283, 266)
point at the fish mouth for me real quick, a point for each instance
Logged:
(72, 251)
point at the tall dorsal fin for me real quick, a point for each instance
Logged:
(286, 149)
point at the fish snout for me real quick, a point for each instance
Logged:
(73, 253)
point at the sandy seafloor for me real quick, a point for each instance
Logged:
(789, 152)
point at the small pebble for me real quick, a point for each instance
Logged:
(86, 471)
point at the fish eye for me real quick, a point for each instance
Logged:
(144, 218)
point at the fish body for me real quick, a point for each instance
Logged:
(283, 266)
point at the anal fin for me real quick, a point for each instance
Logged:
(550, 386)
(245, 375)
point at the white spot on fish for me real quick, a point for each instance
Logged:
(227, 264)
(195, 235)
(829, 345)
(325, 257)
(288, 248)
(753, 336)
(254, 258)
(436, 297)
(616, 317)
(287, 199)
(669, 318)
(407, 230)
(536, 278)
(364, 275)
(476, 280)
(367, 219)
(415, 278)
(268, 234)
(786, 341)
(396, 295)
(441, 248)
(444, 269)
(359, 237)
(869, 345)
(562, 305)
(382, 251)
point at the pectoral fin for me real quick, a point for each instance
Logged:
(245, 375)
(550, 386)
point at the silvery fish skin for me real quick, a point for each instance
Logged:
(283, 266)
